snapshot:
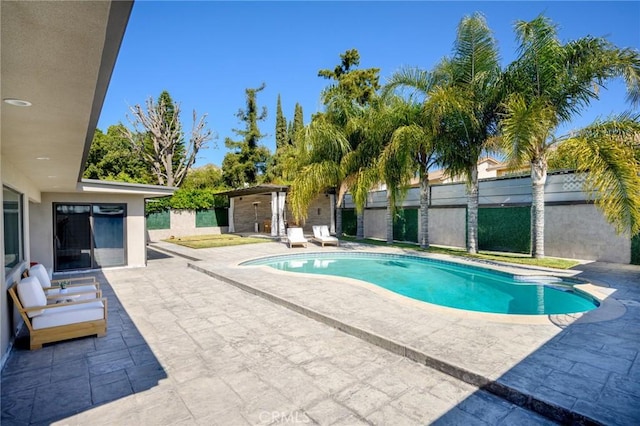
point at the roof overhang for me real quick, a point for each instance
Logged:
(253, 190)
(103, 186)
(58, 55)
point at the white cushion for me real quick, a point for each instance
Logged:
(40, 272)
(65, 315)
(31, 295)
(324, 231)
(296, 234)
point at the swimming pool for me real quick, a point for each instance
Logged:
(445, 283)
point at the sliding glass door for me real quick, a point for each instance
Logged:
(89, 236)
(108, 235)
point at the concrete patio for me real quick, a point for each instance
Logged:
(185, 345)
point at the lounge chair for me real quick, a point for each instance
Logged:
(321, 235)
(296, 237)
(85, 285)
(51, 319)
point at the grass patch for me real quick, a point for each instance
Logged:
(521, 259)
(218, 240)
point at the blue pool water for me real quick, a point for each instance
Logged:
(444, 283)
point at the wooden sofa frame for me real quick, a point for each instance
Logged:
(70, 331)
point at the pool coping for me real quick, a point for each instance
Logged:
(523, 399)
(608, 309)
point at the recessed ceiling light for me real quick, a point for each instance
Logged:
(52, 177)
(43, 158)
(17, 102)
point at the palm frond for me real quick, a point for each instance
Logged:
(603, 151)
(525, 129)
(311, 181)
(325, 141)
(475, 49)
(414, 81)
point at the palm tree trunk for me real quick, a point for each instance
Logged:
(424, 210)
(359, 225)
(472, 211)
(389, 219)
(538, 180)
(339, 221)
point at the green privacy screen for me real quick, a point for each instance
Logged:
(635, 250)
(405, 225)
(212, 217)
(159, 220)
(349, 223)
(505, 229)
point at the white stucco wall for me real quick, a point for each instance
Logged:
(41, 220)
(9, 319)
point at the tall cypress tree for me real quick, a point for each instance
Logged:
(296, 125)
(281, 127)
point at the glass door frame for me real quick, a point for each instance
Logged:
(91, 205)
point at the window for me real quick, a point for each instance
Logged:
(12, 206)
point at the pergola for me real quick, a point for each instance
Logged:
(278, 210)
(278, 198)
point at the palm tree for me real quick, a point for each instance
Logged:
(373, 162)
(463, 108)
(321, 149)
(411, 150)
(331, 141)
(550, 83)
(339, 153)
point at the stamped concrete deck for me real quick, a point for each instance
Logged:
(184, 347)
(574, 369)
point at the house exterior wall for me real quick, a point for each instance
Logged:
(41, 220)
(9, 320)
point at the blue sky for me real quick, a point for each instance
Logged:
(207, 53)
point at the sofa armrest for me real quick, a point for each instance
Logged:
(97, 295)
(60, 305)
(82, 280)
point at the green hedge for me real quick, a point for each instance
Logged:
(405, 225)
(159, 220)
(635, 250)
(212, 217)
(505, 229)
(349, 222)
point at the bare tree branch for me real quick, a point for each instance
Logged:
(159, 124)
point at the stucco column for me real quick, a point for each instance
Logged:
(282, 197)
(232, 227)
(332, 209)
(274, 214)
